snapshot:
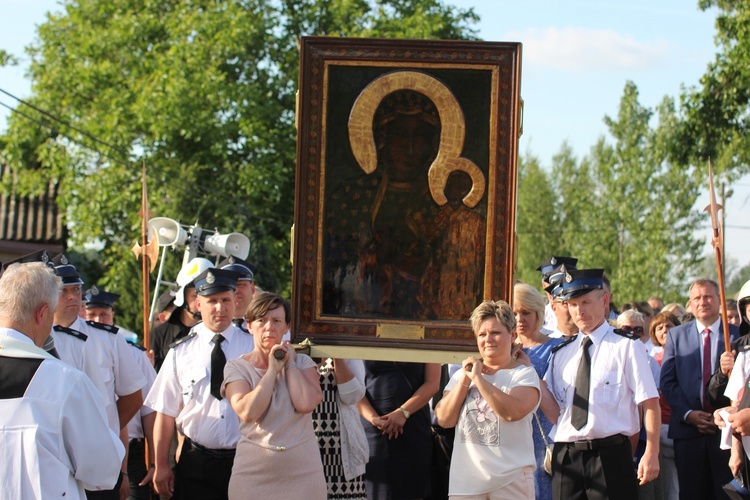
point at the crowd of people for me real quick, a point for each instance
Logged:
(569, 397)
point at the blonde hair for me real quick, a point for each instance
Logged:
(529, 298)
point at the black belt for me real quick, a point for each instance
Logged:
(594, 444)
(214, 452)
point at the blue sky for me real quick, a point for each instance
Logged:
(577, 57)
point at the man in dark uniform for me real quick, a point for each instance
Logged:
(597, 380)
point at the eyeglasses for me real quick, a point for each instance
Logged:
(638, 330)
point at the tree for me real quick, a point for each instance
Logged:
(715, 121)
(204, 94)
(536, 219)
(628, 209)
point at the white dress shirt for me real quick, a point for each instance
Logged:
(620, 380)
(56, 440)
(107, 359)
(183, 388)
(135, 426)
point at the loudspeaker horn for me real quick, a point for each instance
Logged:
(228, 244)
(169, 230)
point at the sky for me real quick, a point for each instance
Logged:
(577, 57)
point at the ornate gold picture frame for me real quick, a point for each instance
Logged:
(405, 189)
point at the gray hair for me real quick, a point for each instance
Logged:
(500, 310)
(630, 315)
(25, 288)
(706, 283)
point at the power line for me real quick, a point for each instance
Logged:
(194, 191)
(67, 124)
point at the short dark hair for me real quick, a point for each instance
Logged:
(264, 302)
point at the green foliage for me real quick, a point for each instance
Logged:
(7, 59)
(204, 94)
(625, 207)
(716, 121)
(536, 219)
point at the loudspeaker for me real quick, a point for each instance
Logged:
(228, 244)
(170, 232)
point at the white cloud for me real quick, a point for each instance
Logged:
(583, 48)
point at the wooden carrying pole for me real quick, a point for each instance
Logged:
(149, 252)
(718, 244)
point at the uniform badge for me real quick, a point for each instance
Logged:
(553, 261)
(568, 278)
(231, 259)
(210, 278)
(94, 290)
(45, 257)
(63, 260)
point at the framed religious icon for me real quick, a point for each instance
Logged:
(405, 189)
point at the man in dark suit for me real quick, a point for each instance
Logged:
(691, 355)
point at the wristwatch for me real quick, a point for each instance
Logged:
(405, 412)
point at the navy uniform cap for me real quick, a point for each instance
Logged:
(165, 299)
(215, 280)
(65, 270)
(96, 297)
(553, 263)
(38, 256)
(577, 282)
(245, 269)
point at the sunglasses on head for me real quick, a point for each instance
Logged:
(638, 330)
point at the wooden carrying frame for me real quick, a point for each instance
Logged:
(405, 192)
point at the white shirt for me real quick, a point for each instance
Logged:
(550, 320)
(135, 426)
(183, 388)
(107, 359)
(56, 440)
(488, 451)
(620, 380)
(557, 334)
(739, 376)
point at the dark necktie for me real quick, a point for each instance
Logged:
(218, 360)
(240, 323)
(706, 367)
(580, 411)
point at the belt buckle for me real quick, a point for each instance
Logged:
(583, 445)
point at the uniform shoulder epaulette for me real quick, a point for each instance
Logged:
(627, 335)
(563, 344)
(137, 346)
(70, 331)
(189, 336)
(102, 326)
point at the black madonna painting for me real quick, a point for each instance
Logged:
(405, 188)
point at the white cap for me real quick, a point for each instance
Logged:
(187, 274)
